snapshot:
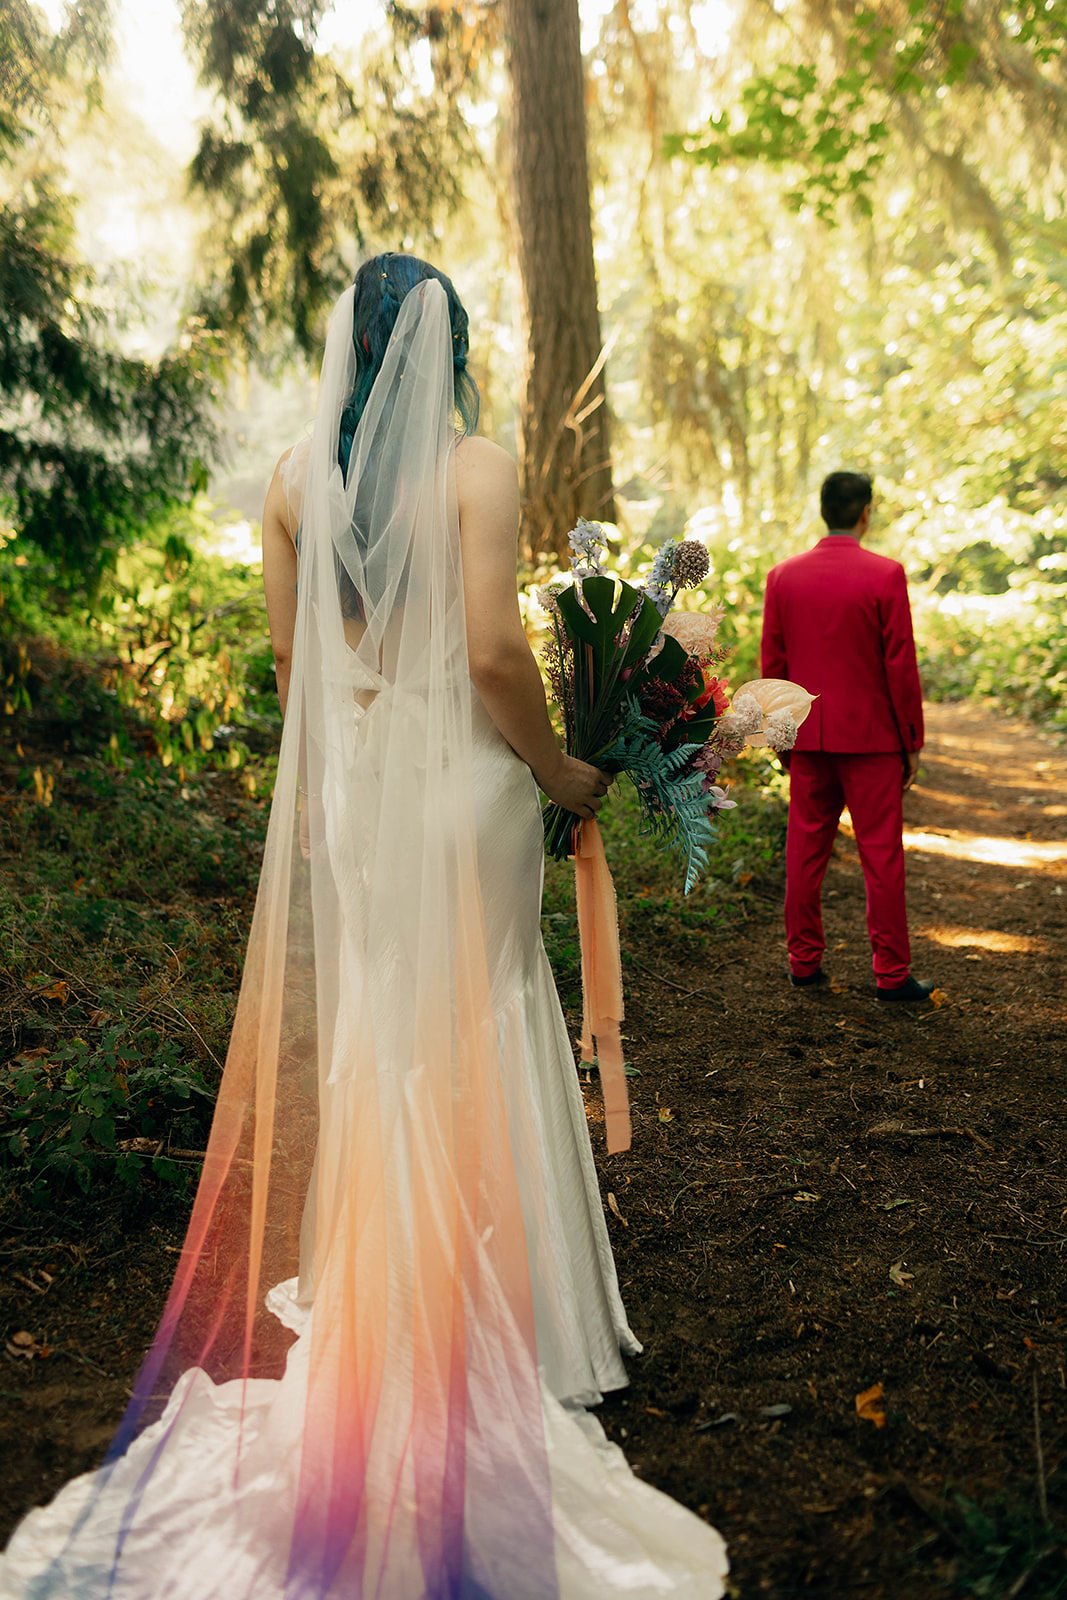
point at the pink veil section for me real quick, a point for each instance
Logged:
(357, 1236)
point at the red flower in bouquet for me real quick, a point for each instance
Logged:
(715, 692)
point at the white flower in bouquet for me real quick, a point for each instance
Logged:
(547, 596)
(780, 731)
(588, 544)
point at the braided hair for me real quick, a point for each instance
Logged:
(381, 285)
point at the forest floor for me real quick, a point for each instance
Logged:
(824, 1195)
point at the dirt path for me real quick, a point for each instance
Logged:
(824, 1194)
(847, 1194)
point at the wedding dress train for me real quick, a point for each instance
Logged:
(403, 1415)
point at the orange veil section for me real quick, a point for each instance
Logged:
(357, 1237)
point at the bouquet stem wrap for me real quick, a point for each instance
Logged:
(602, 1010)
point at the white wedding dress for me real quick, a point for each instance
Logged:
(222, 1497)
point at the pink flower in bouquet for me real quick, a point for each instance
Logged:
(708, 762)
(695, 631)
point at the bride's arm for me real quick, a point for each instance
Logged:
(502, 666)
(279, 579)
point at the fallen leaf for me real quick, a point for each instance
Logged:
(869, 1405)
(613, 1207)
(892, 1205)
(60, 990)
(21, 1344)
(899, 1276)
(806, 1195)
(666, 1114)
(781, 1410)
(938, 998)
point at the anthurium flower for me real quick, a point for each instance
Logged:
(778, 699)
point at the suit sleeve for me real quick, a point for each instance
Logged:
(773, 660)
(901, 667)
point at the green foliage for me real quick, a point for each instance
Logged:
(92, 1110)
(175, 636)
(836, 127)
(93, 441)
(786, 117)
(123, 912)
(305, 160)
(756, 347)
(1006, 1549)
(1009, 649)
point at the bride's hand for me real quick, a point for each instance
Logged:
(576, 786)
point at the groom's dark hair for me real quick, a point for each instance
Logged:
(843, 498)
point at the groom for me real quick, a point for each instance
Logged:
(837, 621)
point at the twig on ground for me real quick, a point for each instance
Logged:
(72, 1355)
(1024, 1577)
(895, 1127)
(1039, 1454)
(168, 1005)
(682, 990)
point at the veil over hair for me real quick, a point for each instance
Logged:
(359, 1176)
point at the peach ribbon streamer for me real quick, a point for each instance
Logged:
(598, 932)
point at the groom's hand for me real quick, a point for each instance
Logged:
(911, 768)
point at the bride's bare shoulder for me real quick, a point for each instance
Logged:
(484, 472)
(476, 455)
(285, 492)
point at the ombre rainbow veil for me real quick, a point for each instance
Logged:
(344, 1400)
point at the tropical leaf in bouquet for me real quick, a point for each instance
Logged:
(606, 610)
(668, 662)
(693, 731)
(643, 630)
(612, 605)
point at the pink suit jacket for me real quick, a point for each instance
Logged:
(837, 621)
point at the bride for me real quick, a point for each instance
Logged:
(396, 1297)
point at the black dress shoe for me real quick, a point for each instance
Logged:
(912, 989)
(818, 976)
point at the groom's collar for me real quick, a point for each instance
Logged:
(841, 533)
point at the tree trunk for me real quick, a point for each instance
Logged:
(564, 437)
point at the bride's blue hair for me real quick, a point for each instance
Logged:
(381, 285)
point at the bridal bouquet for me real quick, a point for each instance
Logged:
(639, 693)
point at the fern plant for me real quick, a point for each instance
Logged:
(672, 798)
